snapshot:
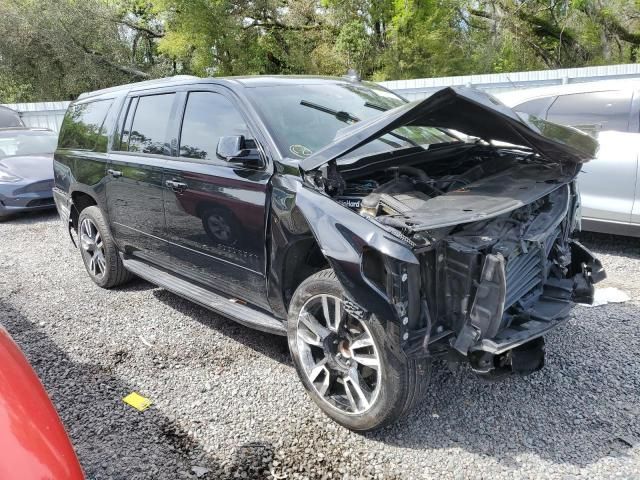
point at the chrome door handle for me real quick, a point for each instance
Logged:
(178, 187)
(114, 173)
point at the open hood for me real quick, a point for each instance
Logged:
(473, 113)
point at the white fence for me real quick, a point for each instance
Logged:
(504, 82)
(42, 114)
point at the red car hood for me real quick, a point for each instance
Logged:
(33, 442)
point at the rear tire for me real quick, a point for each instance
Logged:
(99, 252)
(347, 365)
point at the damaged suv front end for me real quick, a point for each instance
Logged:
(489, 223)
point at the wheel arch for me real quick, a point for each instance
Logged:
(304, 221)
(80, 199)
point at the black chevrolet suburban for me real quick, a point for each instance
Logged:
(376, 234)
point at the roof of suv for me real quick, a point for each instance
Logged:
(242, 81)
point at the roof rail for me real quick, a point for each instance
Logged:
(117, 88)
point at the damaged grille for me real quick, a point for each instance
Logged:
(524, 273)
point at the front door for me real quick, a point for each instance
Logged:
(134, 186)
(215, 211)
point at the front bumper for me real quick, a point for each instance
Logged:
(486, 330)
(25, 197)
(553, 307)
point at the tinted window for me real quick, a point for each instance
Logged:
(207, 117)
(83, 126)
(593, 112)
(148, 131)
(537, 107)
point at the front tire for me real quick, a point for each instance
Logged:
(99, 252)
(345, 363)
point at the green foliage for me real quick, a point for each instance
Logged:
(12, 91)
(55, 49)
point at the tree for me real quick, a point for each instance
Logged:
(56, 49)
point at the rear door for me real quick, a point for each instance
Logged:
(216, 211)
(607, 183)
(134, 185)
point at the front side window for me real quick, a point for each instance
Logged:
(207, 117)
(593, 112)
(147, 123)
(83, 126)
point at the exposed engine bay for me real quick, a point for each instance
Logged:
(491, 228)
(421, 198)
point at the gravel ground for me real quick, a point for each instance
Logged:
(227, 399)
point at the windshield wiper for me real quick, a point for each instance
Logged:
(375, 106)
(346, 117)
(384, 109)
(343, 116)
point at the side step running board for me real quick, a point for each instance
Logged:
(247, 316)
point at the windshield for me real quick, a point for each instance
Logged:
(28, 143)
(304, 118)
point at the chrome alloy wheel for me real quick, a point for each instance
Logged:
(92, 248)
(338, 355)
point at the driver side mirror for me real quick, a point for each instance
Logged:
(234, 150)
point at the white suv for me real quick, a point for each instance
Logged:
(610, 111)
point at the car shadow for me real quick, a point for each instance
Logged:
(582, 407)
(273, 346)
(114, 441)
(574, 401)
(30, 217)
(136, 284)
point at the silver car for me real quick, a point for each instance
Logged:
(609, 111)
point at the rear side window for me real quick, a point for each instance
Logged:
(593, 112)
(536, 107)
(9, 118)
(207, 117)
(146, 125)
(83, 126)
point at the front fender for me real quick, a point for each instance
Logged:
(342, 236)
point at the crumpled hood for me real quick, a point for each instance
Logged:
(473, 113)
(32, 167)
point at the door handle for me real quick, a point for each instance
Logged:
(114, 173)
(178, 187)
